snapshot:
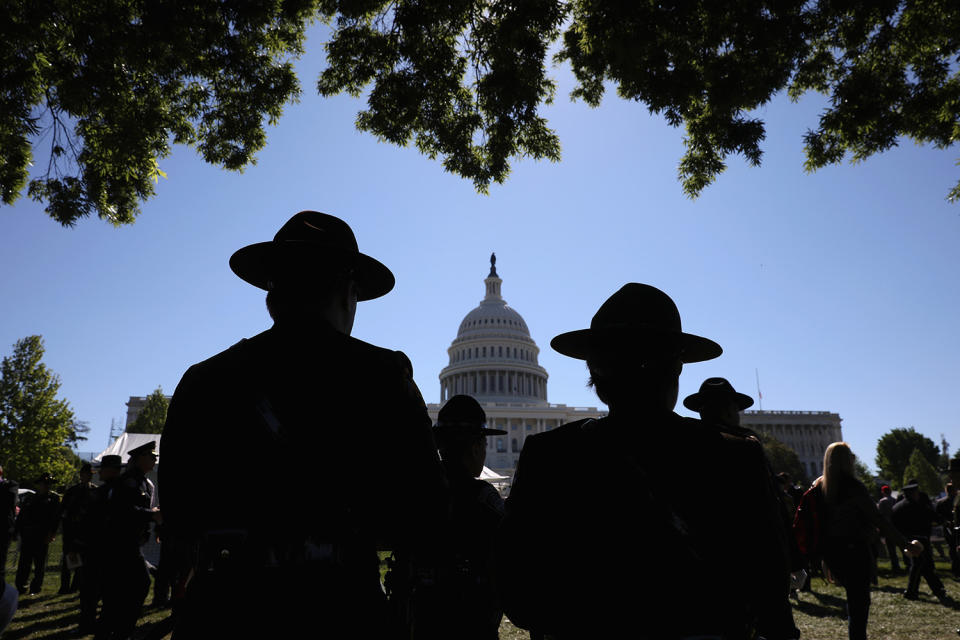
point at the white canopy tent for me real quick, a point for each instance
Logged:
(127, 441)
(492, 476)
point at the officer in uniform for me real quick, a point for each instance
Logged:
(339, 419)
(9, 491)
(566, 549)
(37, 524)
(129, 512)
(913, 517)
(464, 604)
(97, 536)
(75, 502)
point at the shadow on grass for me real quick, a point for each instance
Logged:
(826, 605)
(46, 612)
(62, 627)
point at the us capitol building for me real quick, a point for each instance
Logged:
(494, 359)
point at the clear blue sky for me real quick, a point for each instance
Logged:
(840, 287)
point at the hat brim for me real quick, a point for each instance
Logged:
(254, 264)
(585, 343)
(446, 431)
(695, 401)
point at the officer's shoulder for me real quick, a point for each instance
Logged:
(565, 434)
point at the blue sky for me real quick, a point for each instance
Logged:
(840, 287)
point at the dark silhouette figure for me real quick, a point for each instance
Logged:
(130, 511)
(94, 527)
(75, 502)
(885, 506)
(848, 523)
(913, 517)
(9, 491)
(37, 525)
(338, 420)
(944, 509)
(713, 568)
(463, 603)
(720, 405)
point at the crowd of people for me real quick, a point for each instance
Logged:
(635, 552)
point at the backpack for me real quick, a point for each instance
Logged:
(806, 522)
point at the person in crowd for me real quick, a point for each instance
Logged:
(8, 604)
(37, 525)
(944, 509)
(848, 521)
(464, 604)
(885, 506)
(337, 418)
(913, 517)
(720, 405)
(128, 516)
(9, 492)
(75, 502)
(95, 527)
(711, 568)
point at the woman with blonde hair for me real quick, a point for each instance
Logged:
(848, 520)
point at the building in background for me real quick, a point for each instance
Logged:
(808, 433)
(494, 359)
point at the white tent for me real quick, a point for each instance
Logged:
(492, 476)
(128, 441)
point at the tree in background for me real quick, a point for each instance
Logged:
(153, 415)
(894, 449)
(37, 429)
(926, 474)
(783, 458)
(868, 479)
(107, 87)
(944, 453)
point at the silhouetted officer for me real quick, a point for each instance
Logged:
(95, 526)
(75, 502)
(913, 517)
(944, 508)
(9, 491)
(710, 568)
(463, 603)
(129, 514)
(719, 404)
(37, 525)
(338, 418)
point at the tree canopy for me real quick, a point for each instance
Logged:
(919, 468)
(894, 449)
(153, 415)
(783, 458)
(109, 87)
(36, 428)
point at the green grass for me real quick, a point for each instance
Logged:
(819, 615)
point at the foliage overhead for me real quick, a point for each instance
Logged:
(153, 415)
(109, 86)
(36, 428)
(920, 469)
(868, 479)
(894, 449)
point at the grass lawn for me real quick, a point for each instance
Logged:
(819, 615)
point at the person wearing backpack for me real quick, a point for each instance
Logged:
(848, 520)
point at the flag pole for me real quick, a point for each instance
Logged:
(759, 395)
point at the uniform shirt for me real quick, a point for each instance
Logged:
(8, 507)
(39, 516)
(914, 518)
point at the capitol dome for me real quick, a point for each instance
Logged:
(493, 358)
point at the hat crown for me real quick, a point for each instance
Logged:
(318, 228)
(717, 387)
(638, 305)
(461, 410)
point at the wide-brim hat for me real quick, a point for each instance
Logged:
(463, 417)
(111, 461)
(912, 483)
(716, 389)
(636, 315)
(46, 478)
(312, 243)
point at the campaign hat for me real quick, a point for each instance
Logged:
(312, 245)
(111, 461)
(911, 484)
(46, 478)
(640, 316)
(463, 417)
(716, 389)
